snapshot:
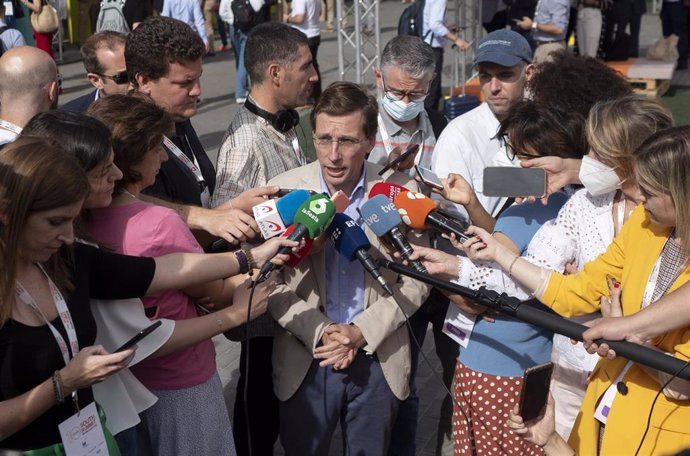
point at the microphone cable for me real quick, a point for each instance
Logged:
(651, 410)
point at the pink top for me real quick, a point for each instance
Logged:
(143, 229)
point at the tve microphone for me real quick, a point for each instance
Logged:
(351, 242)
(297, 257)
(390, 191)
(381, 216)
(311, 219)
(274, 215)
(419, 212)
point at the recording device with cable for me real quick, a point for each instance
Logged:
(351, 242)
(283, 121)
(419, 212)
(381, 216)
(301, 253)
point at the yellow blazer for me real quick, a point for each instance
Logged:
(298, 305)
(630, 259)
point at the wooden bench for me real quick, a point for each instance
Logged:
(648, 77)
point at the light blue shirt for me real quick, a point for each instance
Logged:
(434, 28)
(556, 12)
(189, 12)
(11, 38)
(345, 278)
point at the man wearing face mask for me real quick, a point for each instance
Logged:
(403, 81)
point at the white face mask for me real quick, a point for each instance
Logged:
(401, 111)
(501, 159)
(598, 178)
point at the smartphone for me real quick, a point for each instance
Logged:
(284, 191)
(412, 148)
(514, 182)
(428, 177)
(140, 335)
(536, 382)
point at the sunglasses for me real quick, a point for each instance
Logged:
(118, 78)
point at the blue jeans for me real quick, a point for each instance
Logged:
(239, 40)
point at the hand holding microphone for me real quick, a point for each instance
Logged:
(419, 212)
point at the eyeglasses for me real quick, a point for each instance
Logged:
(118, 78)
(512, 153)
(58, 80)
(397, 95)
(344, 143)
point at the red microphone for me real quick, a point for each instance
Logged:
(297, 257)
(390, 191)
(419, 212)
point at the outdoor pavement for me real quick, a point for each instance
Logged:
(216, 110)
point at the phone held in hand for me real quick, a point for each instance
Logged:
(511, 181)
(415, 144)
(428, 177)
(536, 382)
(139, 336)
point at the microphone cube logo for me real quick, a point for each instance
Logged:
(405, 218)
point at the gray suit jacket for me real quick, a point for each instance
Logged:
(298, 304)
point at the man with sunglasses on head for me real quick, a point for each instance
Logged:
(103, 55)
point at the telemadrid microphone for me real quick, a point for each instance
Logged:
(386, 189)
(419, 212)
(351, 242)
(311, 219)
(274, 215)
(381, 216)
(297, 257)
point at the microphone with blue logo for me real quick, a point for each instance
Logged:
(274, 215)
(351, 242)
(310, 220)
(381, 216)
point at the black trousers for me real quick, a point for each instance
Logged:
(431, 102)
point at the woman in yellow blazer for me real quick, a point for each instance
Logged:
(648, 258)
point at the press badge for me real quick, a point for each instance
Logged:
(458, 325)
(82, 433)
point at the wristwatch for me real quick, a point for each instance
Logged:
(534, 26)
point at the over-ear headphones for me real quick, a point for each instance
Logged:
(282, 121)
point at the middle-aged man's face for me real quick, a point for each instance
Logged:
(113, 63)
(178, 91)
(502, 87)
(297, 80)
(341, 148)
(401, 85)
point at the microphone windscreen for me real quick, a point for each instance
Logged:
(288, 204)
(297, 257)
(347, 236)
(315, 214)
(390, 191)
(414, 209)
(380, 215)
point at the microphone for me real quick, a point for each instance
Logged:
(297, 257)
(420, 212)
(274, 215)
(390, 191)
(381, 216)
(351, 242)
(310, 220)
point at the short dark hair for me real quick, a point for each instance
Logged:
(137, 125)
(271, 42)
(342, 98)
(82, 136)
(548, 131)
(158, 42)
(108, 39)
(410, 54)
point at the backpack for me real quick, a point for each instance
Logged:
(245, 16)
(111, 17)
(411, 20)
(3, 29)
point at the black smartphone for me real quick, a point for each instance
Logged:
(412, 148)
(536, 382)
(514, 182)
(140, 335)
(428, 177)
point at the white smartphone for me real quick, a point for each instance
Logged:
(428, 177)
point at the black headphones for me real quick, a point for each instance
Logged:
(282, 121)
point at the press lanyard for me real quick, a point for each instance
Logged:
(387, 143)
(193, 167)
(65, 317)
(11, 127)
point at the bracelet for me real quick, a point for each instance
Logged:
(510, 268)
(250, 257)
(57, 387)
(242, 260)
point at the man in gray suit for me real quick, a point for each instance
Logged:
(342, 350)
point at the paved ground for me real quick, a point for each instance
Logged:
(215, 113)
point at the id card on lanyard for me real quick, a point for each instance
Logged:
(192, 166)
(9, 126)
(82, 433)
